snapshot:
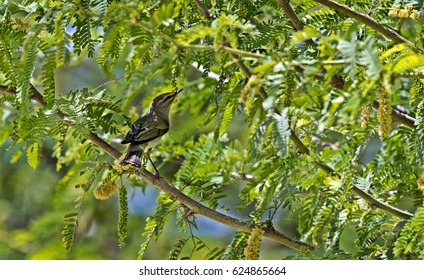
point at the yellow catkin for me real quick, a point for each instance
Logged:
(396, 6)
(384, 113)
(105, 190)
(119, 168)
(415, 15)
(394, 10)
(393, 13)
(420, 183)
(404, 13)
(251, 251)
(287, 96)
(407, 11)
(254, 83)
(365, 113)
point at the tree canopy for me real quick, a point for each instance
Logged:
(297, 133)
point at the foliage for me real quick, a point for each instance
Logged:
(123, 216)
(253, 89)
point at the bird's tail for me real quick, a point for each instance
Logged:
(133, 157)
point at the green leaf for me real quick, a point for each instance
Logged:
(395, 49)
(348, 51)
(155, 223)
(301, 36)
(24, 90)
(411, 235)
(369, 57)
(70, 223)
(235, 249)
(408, 61)
(82, 37)
(33, 155)
(282, 128)
(226, 118)
(112, 47)
(164, 15)
(176, 249)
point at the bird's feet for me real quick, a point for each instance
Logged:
(157, 175)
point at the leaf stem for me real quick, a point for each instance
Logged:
(225, 48)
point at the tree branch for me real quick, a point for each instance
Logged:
(297, 24)
(193, 205)
(204, 9)
(367, 20)
(198, 208)
(336, 80)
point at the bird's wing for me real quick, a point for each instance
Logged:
(145, 130)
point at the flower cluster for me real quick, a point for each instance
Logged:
(384, 113)
(420, 183)
(105, 190)
(407, 11)
(365, 113)
(251, 251)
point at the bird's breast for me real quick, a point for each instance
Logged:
(152, 143)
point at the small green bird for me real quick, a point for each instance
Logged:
(146, 132)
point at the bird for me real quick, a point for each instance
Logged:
(146, 132)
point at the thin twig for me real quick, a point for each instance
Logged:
(204, 9)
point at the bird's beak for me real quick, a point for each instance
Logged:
(178, 91)
(175, 93)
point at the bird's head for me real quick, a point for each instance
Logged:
(162, 103)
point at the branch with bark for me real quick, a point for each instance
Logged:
(367, 20)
